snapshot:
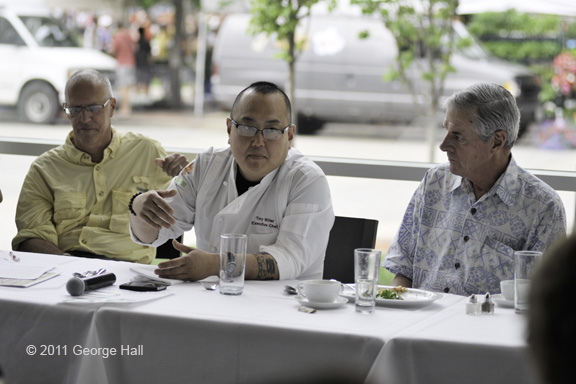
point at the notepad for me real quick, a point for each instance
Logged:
(11, 270)
(24, 283)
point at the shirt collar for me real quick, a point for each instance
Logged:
(506, 187)
(80, 157)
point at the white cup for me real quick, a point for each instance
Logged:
(320, 291)
(507, 289)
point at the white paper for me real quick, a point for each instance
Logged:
(10, 269)
(113, 294)
(147, 271)
(25, 283)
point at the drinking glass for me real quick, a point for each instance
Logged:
(366, 269)
(524, 264)
(232, 263)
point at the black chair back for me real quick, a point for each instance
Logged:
(347, 234)
(167, 251)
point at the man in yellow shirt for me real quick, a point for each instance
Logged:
(75, 197)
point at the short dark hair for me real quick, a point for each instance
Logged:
(265, 88)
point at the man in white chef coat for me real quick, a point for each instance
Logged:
(258, 186)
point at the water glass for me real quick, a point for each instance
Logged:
(232, 263)
(524, 264)
(366, 270)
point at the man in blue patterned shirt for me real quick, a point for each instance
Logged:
(468, 216)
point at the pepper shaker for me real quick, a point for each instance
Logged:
(488, 305)
(473, 306)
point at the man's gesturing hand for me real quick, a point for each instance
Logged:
(154, 210)
(172, 164)
(195, 265)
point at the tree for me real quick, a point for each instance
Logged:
(281, 17)
(425, 39)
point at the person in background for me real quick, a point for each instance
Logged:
(75, 197)
(468, 216)
(123, 49)
(551, 318)
(143, 53)
(258, 186)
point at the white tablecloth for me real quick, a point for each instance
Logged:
(200, 336)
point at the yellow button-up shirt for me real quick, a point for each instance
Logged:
(78, 205)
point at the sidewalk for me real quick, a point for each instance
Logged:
(384, 200)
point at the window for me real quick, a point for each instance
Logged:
(47, 32)
(8, 34)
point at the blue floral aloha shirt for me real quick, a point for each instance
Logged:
(449, 241)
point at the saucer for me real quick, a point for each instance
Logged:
(502, 302)
(340, 301)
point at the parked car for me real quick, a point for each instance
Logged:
(38, 55)
(339, 77)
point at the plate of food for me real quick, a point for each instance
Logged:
(398, 297)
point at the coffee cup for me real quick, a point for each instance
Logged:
(507, 289)
(320, 291)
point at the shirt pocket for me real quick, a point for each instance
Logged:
(141, 184)
(120, 212)
(69, 210)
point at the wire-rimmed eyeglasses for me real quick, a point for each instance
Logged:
(267, 133)
(93, 109)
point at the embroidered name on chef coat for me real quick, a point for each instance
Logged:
(264, 222)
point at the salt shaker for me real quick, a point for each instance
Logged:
(473, 306)
(488, 305)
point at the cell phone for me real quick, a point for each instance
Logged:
(143, 286)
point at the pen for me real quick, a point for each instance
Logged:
(14, 257)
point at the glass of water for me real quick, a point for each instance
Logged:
(232, 263)
(366, 270)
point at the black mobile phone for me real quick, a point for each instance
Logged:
(143, 286)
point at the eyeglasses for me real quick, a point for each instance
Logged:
(267, 133)
(93, 109)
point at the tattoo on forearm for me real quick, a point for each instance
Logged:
(266, 266)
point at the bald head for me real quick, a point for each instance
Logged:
(89, 76)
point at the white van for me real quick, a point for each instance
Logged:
(339, 77)
(36, 58)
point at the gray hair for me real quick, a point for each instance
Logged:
(92, 76)
(494, 109)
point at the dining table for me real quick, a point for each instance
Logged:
(187, 333)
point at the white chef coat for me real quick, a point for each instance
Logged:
(288, 214)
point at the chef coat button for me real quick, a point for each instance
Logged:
(446, 290)
(466, 238)
(473, 211)
(457, 265)
(84, 241)
(100, 193)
